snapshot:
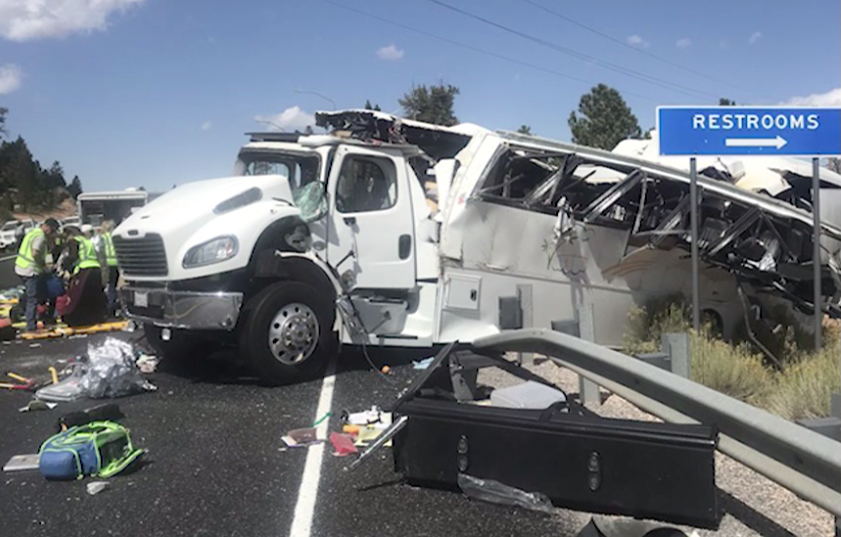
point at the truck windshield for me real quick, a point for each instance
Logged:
(299, 169)
(9, 226)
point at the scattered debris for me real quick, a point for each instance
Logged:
(374, 415)
(147, 363)
(24, 383)
(488, 490)
(530, 394)
(34, 345)
(301, 438)
(422, 364)
(96, 487)
(111, 371)
(22, 462)
(342, 444)
(104, 412)
(322, 418)
(68, 389)
(36, 404)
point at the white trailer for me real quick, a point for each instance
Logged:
(319, 238)
(94, 208)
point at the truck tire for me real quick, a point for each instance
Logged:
(288, 332)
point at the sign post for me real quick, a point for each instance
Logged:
(816, 249)
(751, 131)
(693, 233)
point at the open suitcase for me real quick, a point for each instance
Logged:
(579, 460)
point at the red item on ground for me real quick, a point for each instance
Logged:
(342, 444)
(61, 304)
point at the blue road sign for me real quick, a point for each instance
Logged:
(748, 130)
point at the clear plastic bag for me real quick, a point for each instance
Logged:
(111, 371)
(488, 490)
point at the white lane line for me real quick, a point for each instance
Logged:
(307, 494)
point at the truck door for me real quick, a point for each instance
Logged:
(371, 216)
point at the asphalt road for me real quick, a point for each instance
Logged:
(214, 465)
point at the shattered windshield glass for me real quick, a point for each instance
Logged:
(302, 171)
(299, 169)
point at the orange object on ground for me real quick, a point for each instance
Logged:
(350, 429)
(385, 370)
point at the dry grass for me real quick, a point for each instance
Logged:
(802, 389)
(734, 370)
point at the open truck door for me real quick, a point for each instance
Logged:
(370, 228)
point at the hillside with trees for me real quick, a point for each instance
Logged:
(28, 188)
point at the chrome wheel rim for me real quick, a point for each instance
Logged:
(293, 334)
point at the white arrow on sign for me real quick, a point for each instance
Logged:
(777, 142)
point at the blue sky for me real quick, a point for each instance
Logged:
(157, 92)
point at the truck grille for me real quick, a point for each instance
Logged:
(141, 257)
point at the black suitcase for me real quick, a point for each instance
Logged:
(579, 460)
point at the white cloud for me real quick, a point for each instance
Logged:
(683, 43)
(26, 20)
(390, 53)
(291, 119)
(754, 37)
(10, 78)
(831, 98)
(637, 41)
(206, 126)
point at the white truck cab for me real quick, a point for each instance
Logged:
(319, 238)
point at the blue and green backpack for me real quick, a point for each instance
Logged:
(99, 449)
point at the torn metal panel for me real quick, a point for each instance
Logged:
(517, 206)
(742, 232)
(378, 127)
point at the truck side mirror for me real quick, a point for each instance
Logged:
(311, 199)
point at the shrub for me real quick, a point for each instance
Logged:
(801, 389)
(730, 369)
(804, 389)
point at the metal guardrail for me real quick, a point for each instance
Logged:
(801, 460)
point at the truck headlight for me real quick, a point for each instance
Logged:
(212, 251)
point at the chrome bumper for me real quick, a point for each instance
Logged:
(182, 309)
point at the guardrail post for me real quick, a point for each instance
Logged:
(679, 351)
(588, 390)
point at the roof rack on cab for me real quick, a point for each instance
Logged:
(275, 136)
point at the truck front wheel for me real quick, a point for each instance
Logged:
(288, 334)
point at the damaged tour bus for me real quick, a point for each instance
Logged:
(393, 232)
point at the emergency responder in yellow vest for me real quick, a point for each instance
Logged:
(108, 259)
(86, 305)
(30, 265)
